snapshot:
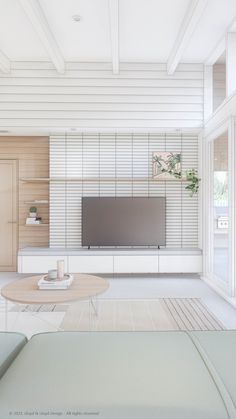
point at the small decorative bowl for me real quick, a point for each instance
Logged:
(52, 274)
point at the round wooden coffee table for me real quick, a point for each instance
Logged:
(25, 291)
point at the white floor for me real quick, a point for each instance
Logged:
(175, 286)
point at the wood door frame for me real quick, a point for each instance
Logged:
(13, 267)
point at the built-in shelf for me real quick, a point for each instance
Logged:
(37, 225)
(35, 179)
(97, 179)
(36, 202)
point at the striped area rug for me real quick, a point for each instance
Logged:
(134, 315)
(141, 315)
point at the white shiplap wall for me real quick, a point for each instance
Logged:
(112, 165)
(89, 96)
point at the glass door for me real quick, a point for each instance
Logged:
(220, 210)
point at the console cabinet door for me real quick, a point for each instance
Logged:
(136, 264)
(180, 264)
(91, 264)
(41, 264)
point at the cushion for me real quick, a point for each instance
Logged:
(112, 375)
(220, 348)
(10, 345)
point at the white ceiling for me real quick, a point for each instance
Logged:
(216, 19)
(148, 29)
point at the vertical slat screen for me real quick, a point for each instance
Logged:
(118, 165)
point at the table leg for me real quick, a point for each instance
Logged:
(6, 315)
(90, 314)
(18, 313)
(35, 315)
(94, 304)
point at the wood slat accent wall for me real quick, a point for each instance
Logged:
(110, 165)
(32, 154)
(90, 96)
(219, 85)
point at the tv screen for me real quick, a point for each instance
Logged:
(123, 221)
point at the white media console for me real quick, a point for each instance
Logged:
(111, 261)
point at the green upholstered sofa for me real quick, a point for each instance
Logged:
(141, 375)
(10, 345)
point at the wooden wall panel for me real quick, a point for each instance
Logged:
(32, 154)
(219, 84)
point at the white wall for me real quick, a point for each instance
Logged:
(99, 162)
(89, 96)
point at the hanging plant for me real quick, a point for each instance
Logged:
(194, 181)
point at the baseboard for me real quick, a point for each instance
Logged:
(219, 291)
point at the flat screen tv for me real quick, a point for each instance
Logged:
(123, 221)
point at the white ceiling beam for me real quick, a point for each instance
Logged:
(5, 64)
(40, 25)
(217, 52)
(188, 26)
(114, 34)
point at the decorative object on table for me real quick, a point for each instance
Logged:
(52, 274)
(194, 180)
(60, 269)
(33, 212)
(33, 220)
(166, 165)
(48, 284)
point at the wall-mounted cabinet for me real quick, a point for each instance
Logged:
(143, 261)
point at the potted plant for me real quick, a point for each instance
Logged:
(33, 212)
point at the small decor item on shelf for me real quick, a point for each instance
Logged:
(33, 220)
(33, 212)
(194, 181)
(60, 269)
(52, 274)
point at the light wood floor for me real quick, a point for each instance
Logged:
(135, 290)
(139, 315)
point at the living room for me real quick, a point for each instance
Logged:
(117, 218)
